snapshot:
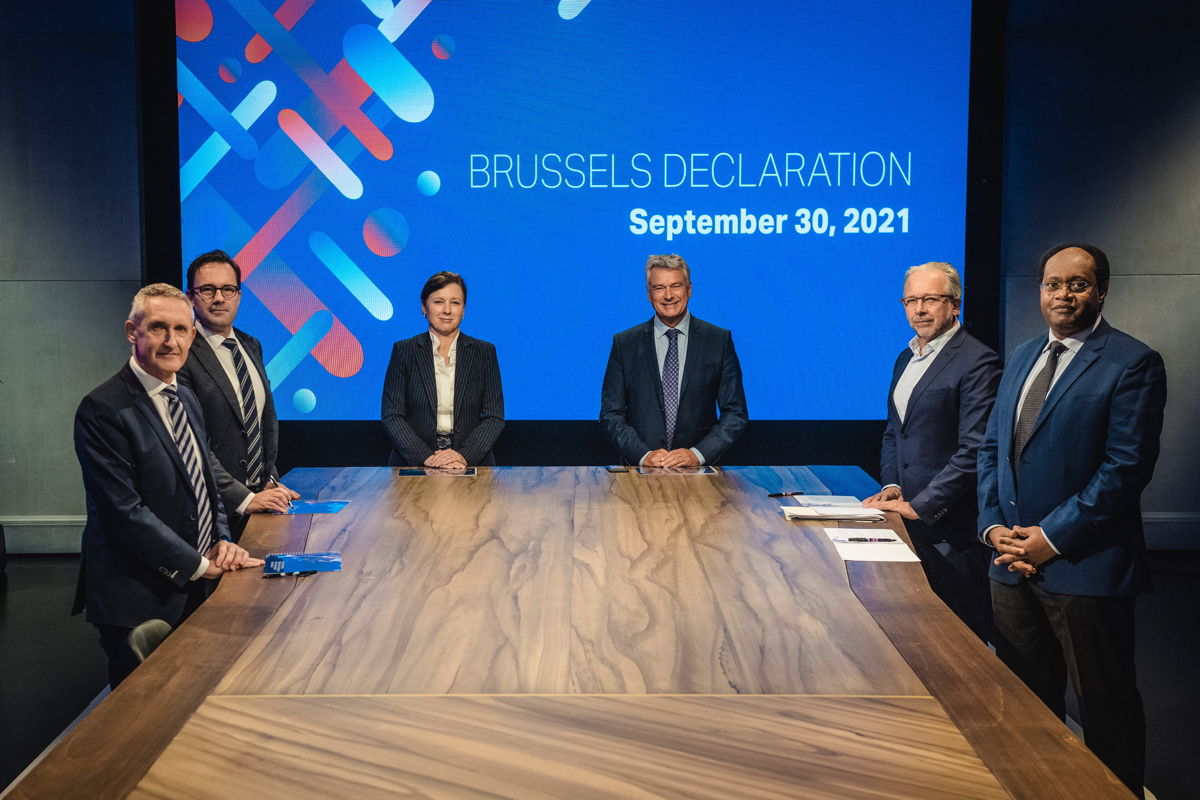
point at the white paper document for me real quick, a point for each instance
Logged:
(827, 500)
(869, 544)
(854, 512)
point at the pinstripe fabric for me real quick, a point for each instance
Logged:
(189, 451)
(254, 449)
(409, 404)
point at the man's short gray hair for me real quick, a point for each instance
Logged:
(138, 309)
(953, 282)
(669, 261)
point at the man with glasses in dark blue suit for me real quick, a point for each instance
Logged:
(1071, 444)
(226, 372)
(942, 389)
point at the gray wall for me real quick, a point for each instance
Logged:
(70, 246)
(1102, 144)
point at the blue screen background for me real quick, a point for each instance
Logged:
(554, 272)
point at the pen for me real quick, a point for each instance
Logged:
(871, 539)
(274, 482)
(784, 494)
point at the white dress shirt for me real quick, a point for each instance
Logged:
(443, 378)
(154, 387)
(917, 366)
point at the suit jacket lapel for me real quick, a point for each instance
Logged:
(940, 360)
(1019, 369)
(650, 360)
(695, 346)
(1079, 363)
(149, 412)
(463, 374)
(254, 349)
(423, 356)
(897, 370)
(203, 353)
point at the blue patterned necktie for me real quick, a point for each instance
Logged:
(670, 384)
(189, 451)
(254, 453)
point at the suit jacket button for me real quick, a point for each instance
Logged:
(904, 436)
(904, 466)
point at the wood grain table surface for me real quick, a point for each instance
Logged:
(568, 632)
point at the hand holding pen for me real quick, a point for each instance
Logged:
(274, 482)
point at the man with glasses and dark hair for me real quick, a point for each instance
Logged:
(225, 370)
(942, 390)
(1070, 445)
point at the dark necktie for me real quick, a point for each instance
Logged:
(670, 383)
(254, 453)
(189, 451)
(1035, 398)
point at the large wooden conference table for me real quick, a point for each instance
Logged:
(566, 632)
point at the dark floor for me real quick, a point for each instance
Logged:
(52, 667)
(51, 663)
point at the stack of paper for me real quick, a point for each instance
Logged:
(831, 506)
(869, 544)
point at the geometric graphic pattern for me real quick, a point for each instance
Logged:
(294, 135)
(344, 150)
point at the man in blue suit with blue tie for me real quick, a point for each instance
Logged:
(667, 378)
(942, 390)
(1071, 444)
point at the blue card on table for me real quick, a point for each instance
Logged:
(283, 564)
(317, 507)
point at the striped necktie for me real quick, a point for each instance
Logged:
(250, 423)
(189, 451)
(670, 384)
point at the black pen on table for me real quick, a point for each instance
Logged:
(785, 494)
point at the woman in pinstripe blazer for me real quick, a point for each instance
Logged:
(443, 405)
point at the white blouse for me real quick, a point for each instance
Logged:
(443, 378)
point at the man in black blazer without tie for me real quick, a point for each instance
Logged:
(942, 390)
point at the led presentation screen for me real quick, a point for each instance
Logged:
(798, 155)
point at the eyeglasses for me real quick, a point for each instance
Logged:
(929, 300)
(209, 292)
(1074, 287)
